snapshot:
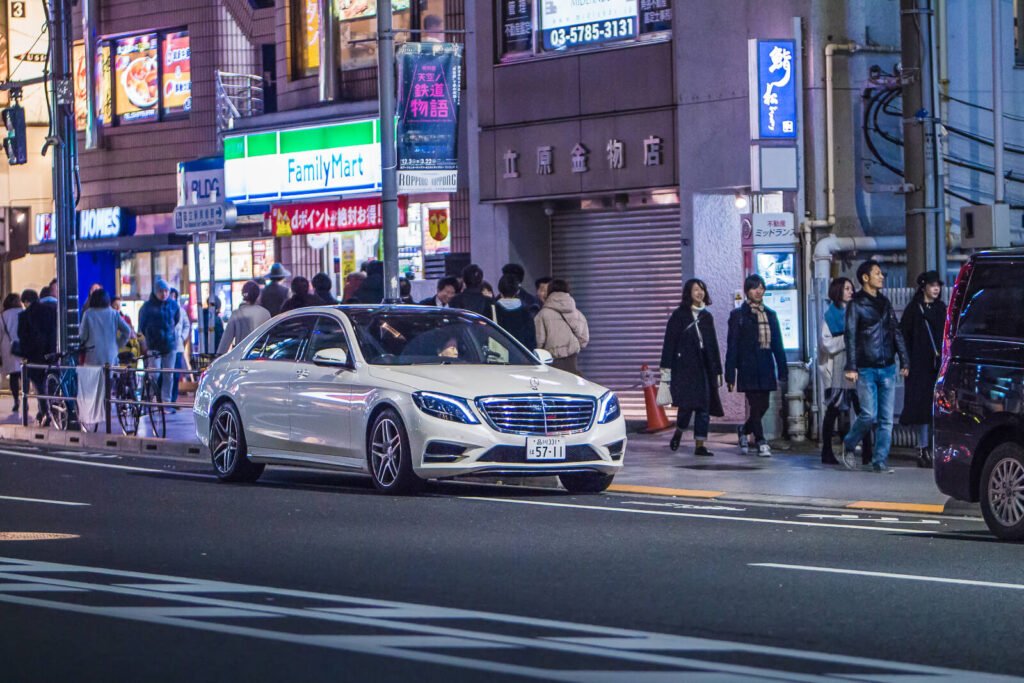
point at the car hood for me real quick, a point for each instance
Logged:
(473, 381)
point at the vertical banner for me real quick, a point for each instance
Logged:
(81, 94)
(773, 96)
(429, 85)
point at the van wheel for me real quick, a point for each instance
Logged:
(1002, 492)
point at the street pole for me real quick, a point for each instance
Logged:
(997, 104)
(925, 226)
(64, 162)
(388, 153)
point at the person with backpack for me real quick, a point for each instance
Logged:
(561, 329)
(159, 319)
(37, 336)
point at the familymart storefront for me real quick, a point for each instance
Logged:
(323, 183)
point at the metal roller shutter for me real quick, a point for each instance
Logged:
(624, 270)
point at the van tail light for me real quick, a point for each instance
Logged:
(956, 302)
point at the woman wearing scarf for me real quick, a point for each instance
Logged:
(691, 366)
(922, 323)
(840, 394)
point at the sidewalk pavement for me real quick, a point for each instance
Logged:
(794, 474)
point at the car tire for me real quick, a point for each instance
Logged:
(586, 482)
(388, 455)
(228, 450)
(1002, 492)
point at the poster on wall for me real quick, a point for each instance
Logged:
(135, 78)
(517, 27)
(4, 53)
(104, 94)
(570, 23)
(430, 79)
(177, 75)
(81, 92)
(27, 39)
(655, 15)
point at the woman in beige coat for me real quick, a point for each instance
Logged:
(561, 329)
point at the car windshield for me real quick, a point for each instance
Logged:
(429, 337)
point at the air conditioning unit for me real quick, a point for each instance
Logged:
(985, 226)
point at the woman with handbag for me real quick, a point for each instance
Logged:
(922, 327)
(840, 394)
(691, 367)
(10, 350)
(561, 329)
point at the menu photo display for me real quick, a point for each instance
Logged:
(136, 78)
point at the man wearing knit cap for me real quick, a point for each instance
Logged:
(158, 323)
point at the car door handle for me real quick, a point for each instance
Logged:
(303, 373)
(243, 371)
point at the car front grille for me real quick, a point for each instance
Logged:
(538, 414)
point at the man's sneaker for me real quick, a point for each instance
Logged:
(851, 459)
(702, 450)
(764, 451)
(882, 469)
(744, 443)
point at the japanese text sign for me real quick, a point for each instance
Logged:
(339, 216)
(774, 89)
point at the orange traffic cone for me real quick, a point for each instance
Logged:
(656, 419)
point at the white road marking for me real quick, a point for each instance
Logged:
(685, 506)
(43, 500)
(725, 518)
(416, 640)
(107, 465)
(862, 518)
(889, 575)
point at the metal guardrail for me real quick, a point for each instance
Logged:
(239, 96)
(109, 401)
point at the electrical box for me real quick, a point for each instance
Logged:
(985, 226)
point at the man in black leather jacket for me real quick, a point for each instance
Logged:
(873, 340)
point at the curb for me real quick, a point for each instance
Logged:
(134, 445)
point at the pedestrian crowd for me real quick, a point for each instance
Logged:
(860, 342)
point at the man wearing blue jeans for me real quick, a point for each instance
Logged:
(873, 340)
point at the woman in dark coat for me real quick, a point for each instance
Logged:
(691, 366)
(922, 326)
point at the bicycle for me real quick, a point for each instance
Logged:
(61, 389)
(135, 392)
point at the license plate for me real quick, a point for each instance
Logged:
(545, 448)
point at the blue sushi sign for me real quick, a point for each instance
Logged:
(775, 99)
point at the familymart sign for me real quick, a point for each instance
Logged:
(320, 161)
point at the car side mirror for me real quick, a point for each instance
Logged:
(331, 358)
(544, 356)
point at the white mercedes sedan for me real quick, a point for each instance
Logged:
(405, 393)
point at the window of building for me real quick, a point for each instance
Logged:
(357, 28)
(305, 38)
(1018, 27)
(529, 28)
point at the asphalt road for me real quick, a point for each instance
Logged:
(161, 573)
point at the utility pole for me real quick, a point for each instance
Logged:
(64, 162)
(388, 152)
(925, 223)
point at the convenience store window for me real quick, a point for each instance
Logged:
(234, 264)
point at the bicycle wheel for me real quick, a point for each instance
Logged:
(128, 414)
(157, 418)
(57, 408)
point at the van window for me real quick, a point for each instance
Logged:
(992, 307)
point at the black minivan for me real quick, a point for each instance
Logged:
(979, 395)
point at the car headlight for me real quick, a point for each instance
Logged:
(444, 407)
(608, 408)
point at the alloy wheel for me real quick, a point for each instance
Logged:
(1006, 492)
(386, 452)
(225, 441)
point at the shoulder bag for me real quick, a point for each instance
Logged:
(15, 343)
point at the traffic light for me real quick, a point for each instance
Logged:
(15, 144)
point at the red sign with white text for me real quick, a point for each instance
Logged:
(337, 216)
